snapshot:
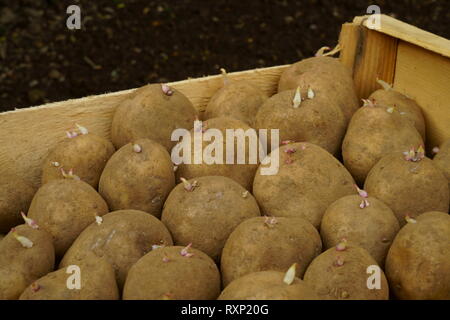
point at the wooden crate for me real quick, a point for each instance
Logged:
(415, 61)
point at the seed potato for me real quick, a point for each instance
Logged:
(308, 181)
(269, 243)
(122, 238)
(173, 273)
(138, 176)
(23, 262)
(418, 262)
(64, 208)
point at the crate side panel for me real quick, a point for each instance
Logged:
(425, 76)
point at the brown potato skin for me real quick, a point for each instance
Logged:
(372, 228)
(64, 208)
(326, 74)
(305, 187)
(348, 281)
(241, 173)
(236, 99)
(373, 133)
(20, 266)
(97, 283)
(15, 196)
(318, 120)
(258, 246)
(149, 113)
(122, 238)
(180, 278)
(442, 160)
(138, 180)
(412, 111)
(85, 154)
(408, 187)
(207, 215)
(267, 285)
(418, 261)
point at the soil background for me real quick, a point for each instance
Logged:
(124, 44)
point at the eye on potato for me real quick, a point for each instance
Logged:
(442, 160)
(241, 173)
(205, 210)
(238, 99)
(152, 112)
(15, 196)
(375, 131)
(269, 243)
(138, 176)
(326, 74)
(304, 115)
(308, 181)
(64, 208)
(407, 107)
(418, 261)
(366, 222)
(268, 285)
(121, 237)
(408, 184)
(341, 273)
(97, 282)
(173, 273)
(86, 154)
(26, 255)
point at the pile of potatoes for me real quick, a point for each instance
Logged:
(356, 210)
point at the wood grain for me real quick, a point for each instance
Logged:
(425, 76)
(376, 59)
(408, 33)
(27, 135)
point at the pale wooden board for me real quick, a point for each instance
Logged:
(375, 60)
(351, 44)
(425, 77)
(26, 135)
(406, 32)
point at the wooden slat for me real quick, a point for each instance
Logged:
(350, 43)
(26, 135)
(406, 32)
(425, 76)
(374, 57)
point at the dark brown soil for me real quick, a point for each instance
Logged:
(128, 43)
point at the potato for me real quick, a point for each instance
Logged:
(15, 196)
(64, 208)
(123, 237)
(418, 261)
(267, 285)
(173, 273)
(269, 243)
(21, 265)
(407, 107)
(207, 214)
(308, 181)
(86, 154)
(408, 187)
(342, 272)
(241, 173)
(374, 132)
(138, 176)
(238, 99)
(97, 282)
(371, 227)
(317, 120)
(442, 160)
(326, 74)
(153, 112)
